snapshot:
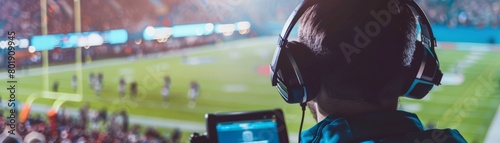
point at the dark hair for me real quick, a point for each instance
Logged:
(361, 49)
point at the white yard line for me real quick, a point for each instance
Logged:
(493, 135)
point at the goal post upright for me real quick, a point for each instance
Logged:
(45, 53)
(78, 50)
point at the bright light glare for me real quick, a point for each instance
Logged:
(82, 41)
(199, 32)
(95, 39)
(228, 33)
(244, 31)
(209, 27)
(225, 28)
(150, 31)
(3, 44)
(16, 42)
(162, 40)
(243, 25)
(31, 49)
(24, 43)
(138, 41)
(162, 33)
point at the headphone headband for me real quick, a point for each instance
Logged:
(298, 84)
(306, 4)
(427, 38)
(292, 20)
(430, 40)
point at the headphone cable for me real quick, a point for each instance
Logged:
(303, 106)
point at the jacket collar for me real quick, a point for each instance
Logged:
(363, 127)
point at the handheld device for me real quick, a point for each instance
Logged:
(266, 126)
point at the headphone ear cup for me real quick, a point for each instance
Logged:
(308, 68)
(413, 69)
(414, 87)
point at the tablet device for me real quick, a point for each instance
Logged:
(266, 126)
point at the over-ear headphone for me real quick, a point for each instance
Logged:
(294, 72)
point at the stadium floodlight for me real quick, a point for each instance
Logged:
(21, 43)
(245, 31)
(225, 28)
(82, 41)
(199, 32)
(209, 27)
(31, 49)
(162, 32)
(149, 32)
(24, 43)
(155, 33)
(94, 39)
(16, 42)
(3, 44)
(243, 25)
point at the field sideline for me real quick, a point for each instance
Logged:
(230, 79)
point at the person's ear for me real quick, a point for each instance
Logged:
(394, 87)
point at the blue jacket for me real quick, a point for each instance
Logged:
(386, 127)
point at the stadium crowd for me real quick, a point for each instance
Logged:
(477, 13)
(63, 127)
(24, 17)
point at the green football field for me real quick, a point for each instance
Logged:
(233, 77)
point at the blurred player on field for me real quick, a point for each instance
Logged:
(55, 86)
(99, 78)
(193, 92)
(167, 81)
(121, 87)
(133, 90)
(97, 88)
(166, 90)
(73, 82)
(91, 80)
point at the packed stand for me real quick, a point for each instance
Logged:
(87, 126)
(24, 17)
(477, 13)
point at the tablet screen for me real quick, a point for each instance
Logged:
(249, 131)
(266, 126)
